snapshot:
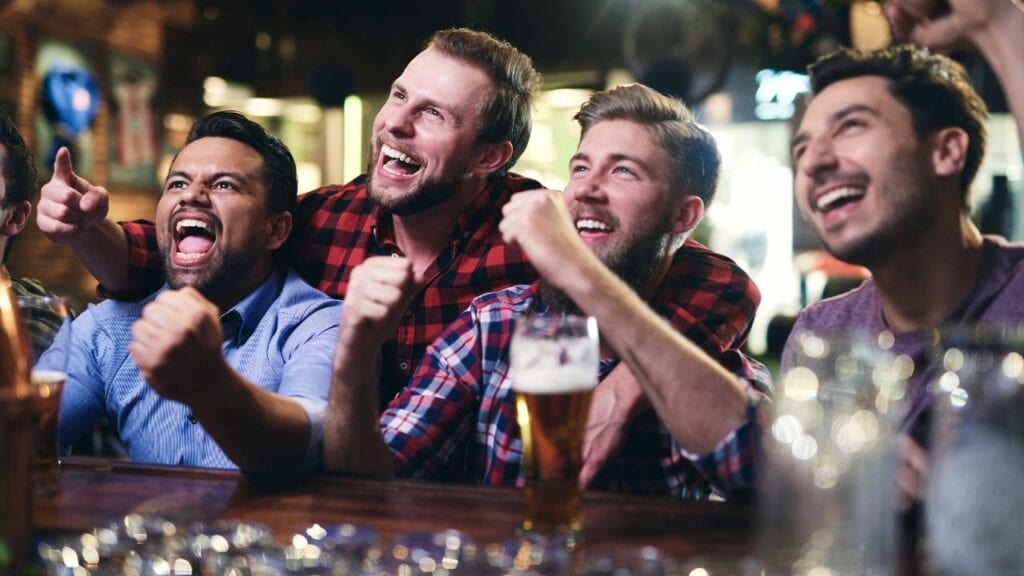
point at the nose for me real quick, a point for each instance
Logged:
(818, 155)
(586, 188)
(396, 120)
(195, 194)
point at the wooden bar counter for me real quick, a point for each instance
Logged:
(97, 490)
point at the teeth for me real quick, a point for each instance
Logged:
(396, 155)
(590, 224)
(831, 197)
(190, 223)
(189, 256)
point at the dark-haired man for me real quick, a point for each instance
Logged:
(17, 188)
(885, 156)
(227, 365)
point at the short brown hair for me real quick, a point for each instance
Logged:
(934, 89)
(506, 111)
(691, 149)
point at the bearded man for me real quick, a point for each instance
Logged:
(228, 365)
(639, 183)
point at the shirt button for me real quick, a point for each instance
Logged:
(395, 255)
(404, 365)
(408, 312)
(465, 234)
(192, 419)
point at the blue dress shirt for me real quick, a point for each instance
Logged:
(281, 337)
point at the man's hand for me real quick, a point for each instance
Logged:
(614, 404)
(944, 24)
(538, 221)
(69, 206)
(177, 345)
(378, 293)
(912, 472)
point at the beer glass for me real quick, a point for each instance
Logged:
(827, 498)
(975, 494)
(46, 320)
(554, 368)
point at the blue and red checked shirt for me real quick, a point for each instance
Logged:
(456, 418)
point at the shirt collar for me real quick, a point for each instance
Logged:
(243, 317)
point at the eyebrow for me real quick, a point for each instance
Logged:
(215, 176)
(802, 137)
(618, 157)
(457, 117)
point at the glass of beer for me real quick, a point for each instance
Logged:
(46, 327)
(554, 362)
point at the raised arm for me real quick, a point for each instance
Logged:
(994, 27)
(73, 212)
(378, 292)
(700, 402)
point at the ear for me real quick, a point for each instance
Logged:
(15, 219)
(950, 151)
(492, 157)
(687, 212)
(280, 228)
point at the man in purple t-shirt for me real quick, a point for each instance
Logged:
(884, 160)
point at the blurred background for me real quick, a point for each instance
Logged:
(120, 81)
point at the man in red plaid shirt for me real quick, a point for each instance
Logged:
(455, 121)
(639, 183)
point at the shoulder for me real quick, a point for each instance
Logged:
(858, 308)
(334, 196)
(515, 183)
(299, 299)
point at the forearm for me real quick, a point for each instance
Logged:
(698, 400)
(259, 430)
(104, 252)
(352, 439)
(1002, 43)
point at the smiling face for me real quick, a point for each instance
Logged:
(425, 136)
(212, 224)
(863, 176)
(620, 199)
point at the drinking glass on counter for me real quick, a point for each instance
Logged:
(554, 362)
(827, 502)
(975, 496)
(45, 319)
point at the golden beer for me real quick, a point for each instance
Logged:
(554, 367)
(47, 387)
(552, 426)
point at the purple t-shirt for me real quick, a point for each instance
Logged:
(996, 298)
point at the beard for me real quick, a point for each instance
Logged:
(634, 259)
(912, 211)
(426, 195)
(220, 275)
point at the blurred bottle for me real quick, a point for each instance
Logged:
(17, 417)
(997, 213)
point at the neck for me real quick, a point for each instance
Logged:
(422, 237)
(922, 283)
(245, 285)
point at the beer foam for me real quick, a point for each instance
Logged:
(48, 377)
(553, 379)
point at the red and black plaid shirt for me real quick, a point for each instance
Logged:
(338, 227)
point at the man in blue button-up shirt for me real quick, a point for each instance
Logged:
(229, 365)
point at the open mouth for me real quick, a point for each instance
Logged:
(837, 198)
(398, 163)
(194, 239)
(593, 229)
